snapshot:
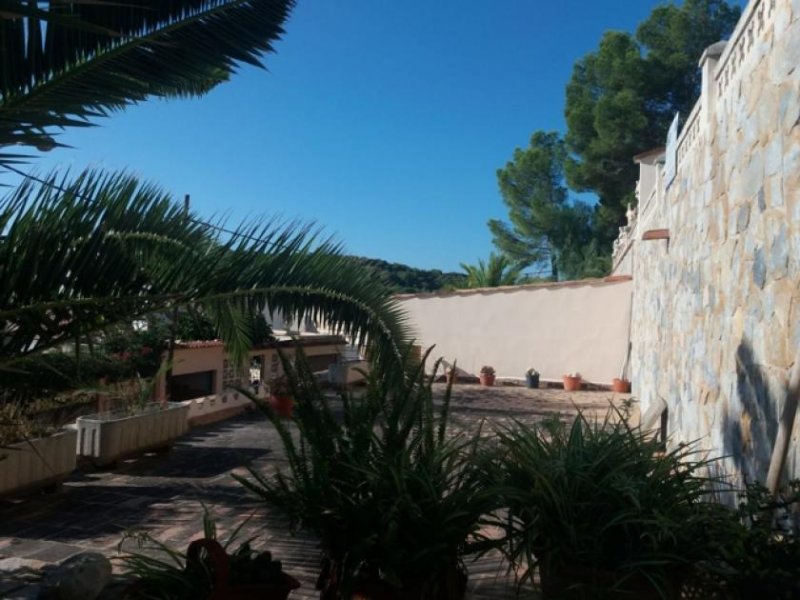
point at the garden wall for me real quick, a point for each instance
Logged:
(556, 328)
(716, 310)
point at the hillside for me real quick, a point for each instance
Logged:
(405, 279)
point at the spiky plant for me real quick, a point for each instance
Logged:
(81, 254)
(394, 494)
(602, 511)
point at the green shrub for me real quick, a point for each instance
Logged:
(601, 511)
(758, 549)
(394, 494)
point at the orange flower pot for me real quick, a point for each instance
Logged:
(283, 405)
(621, 386)
(572, 384)
(487, 380)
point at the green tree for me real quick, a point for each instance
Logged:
(622, 97)
(80, 254)
(546, 228)
(495, 272)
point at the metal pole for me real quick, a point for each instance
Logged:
(174, 326)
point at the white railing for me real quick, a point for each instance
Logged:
(753, 24)
(690, 132)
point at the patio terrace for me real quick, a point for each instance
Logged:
(163, 494)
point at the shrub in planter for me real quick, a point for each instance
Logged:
(600, 512)
(532, 378)
(394, 496)
(487, 376)
(572, 382)
(205, 571)
(621, 386)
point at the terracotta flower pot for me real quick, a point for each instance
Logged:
(220, 566)
(621, 386)
(283, 405)
(487, 380)
(451, 377)
(572, 384)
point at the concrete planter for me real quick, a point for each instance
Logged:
(38, 463)
(107, 437)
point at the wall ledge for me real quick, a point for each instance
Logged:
(600, 281)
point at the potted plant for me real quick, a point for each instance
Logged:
(532, 378)
(600, 512)
(139, 425)
(572, 382)
(487, 376)
(621, 385)
(393, 495)
(206, 570)
(280, 397)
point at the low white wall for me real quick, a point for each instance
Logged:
(556, 328)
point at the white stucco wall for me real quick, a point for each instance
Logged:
(556, 328)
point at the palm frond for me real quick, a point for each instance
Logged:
(66, 64)
(80, 254)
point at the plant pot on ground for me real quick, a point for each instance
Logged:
(601, 512)
(532, 378)
(205, 571)
(487, 376)
(573, 382)
(394, 496)
(621, 386)
(280, 397)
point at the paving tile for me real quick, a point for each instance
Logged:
(164, 495)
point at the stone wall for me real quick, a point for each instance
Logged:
(716, 309)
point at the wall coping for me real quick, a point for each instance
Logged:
(610, 280)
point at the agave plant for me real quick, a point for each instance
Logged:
(394, 495)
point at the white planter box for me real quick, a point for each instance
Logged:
(107, 437)
(24, 468)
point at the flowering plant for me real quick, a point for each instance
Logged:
(531, 372)
(487, 370)
(573, 374)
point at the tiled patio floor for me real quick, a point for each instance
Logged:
(164, 494)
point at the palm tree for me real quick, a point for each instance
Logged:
(81, 254)
(497, 271)
(78, 254)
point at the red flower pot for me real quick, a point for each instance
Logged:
(572, 384)
(283, 405)
(621, 386)
(487, 380)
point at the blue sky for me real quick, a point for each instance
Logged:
(383, 122)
